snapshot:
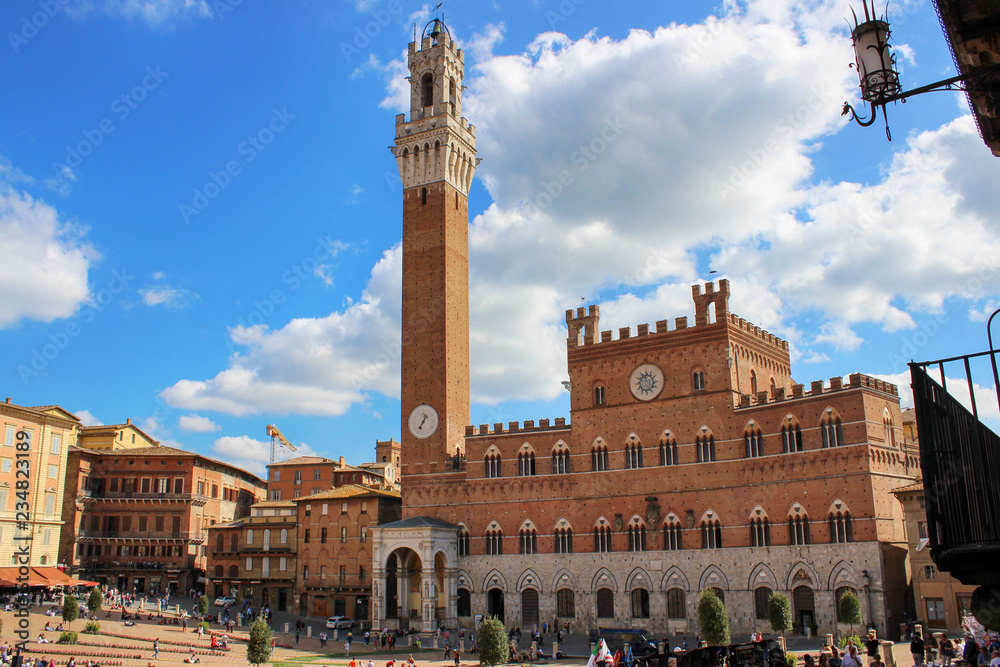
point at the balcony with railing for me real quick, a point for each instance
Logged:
(150, 535)
(960, 460)
(103, 495)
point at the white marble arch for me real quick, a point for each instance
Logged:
(674, 578)
(843, 574)
(426, 538)
(762, 575)
(603, 579)
(713, 577)
(802, 573)
(494, 579)
(529, 579)
(638, 578)
(564, 579)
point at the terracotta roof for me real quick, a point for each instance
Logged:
(229, 524)
(273, 503)
(117, 427)
(916, 486)
(301, 461)
(349, 491)
(45, 410)
(909, 415)
(419, 522)
(162, 451)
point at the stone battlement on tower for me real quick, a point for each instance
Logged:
(529, 426)
(818, 388)
(583, 324)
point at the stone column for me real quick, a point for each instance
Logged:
(403, 592)
(451, 597)
(378, 608)
(428, 599)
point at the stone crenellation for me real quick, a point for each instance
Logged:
(816, 388)
(528, 426)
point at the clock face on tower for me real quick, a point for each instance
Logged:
(423, 421)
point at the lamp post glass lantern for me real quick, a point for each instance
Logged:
(875, 62)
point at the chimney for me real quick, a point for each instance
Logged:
(8, 399)
(128, 420)
(342, 462)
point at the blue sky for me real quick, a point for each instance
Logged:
(200, 219)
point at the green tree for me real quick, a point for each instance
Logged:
(95, 600)
(203, 605)
(849, 607)
(713, 620)
(71, 609)
(259, 644)
(493, 646)
(779, 613)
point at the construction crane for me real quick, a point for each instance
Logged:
(278, 440)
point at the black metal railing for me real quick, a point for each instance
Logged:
(960, 459)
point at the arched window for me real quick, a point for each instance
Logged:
(640, 603)
(234, 571)
(633, 455)
(494, 542)
(526, 464)
(721, 594)
(672, 536)
(636, 537)
(564, 541)
(711, 534)
(753, 383)
(464, 606)
(753, 443)
(706, 448)
(44, 560)
(249, 536)
(791, 438)
(676, 603)
(798, 530)
(529, 541)
(832, 431)
(423, 196)
(219, 543)
(284, 536)
(888, 428)
(560, 461)
(427, 90)
(668, 450)
(602, 539)
(599, 457)
(605, 603)
(761, 596)
(463, 542)
(774, 388)
(218, 571)
(599, 394)
(452, 94)
(492, 464)
(841, 530)
(234, 542)
(760, 532)
(565, 603)
(698, 380)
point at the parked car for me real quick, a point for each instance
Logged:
(339, 623)
(224, 600)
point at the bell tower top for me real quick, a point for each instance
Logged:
(437, 69)
(436, 143)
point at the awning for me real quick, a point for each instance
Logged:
(40, 576)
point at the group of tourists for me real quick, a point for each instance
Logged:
(938, 650)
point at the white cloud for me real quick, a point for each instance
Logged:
(87, 419)
(167, 295)
(253, 455)
(197, 424)
(155, 13)
(44, 262)
(616, 169)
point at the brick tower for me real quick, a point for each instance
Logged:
(436, 154)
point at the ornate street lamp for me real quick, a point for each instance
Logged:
(876, 65)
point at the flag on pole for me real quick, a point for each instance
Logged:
(599, 654)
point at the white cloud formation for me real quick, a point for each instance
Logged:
(44, 262)
(167, 295)
(197, 424)
(616, 169)
(155, 13)
(87, 419)
(250, 454)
